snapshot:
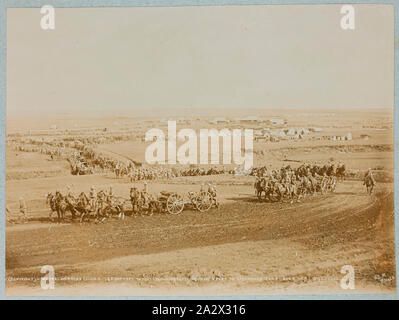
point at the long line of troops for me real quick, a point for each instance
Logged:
(85, 160)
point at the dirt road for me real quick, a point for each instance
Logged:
(243, 247)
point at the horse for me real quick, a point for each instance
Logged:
(101, 205)
(259, 185)
(262, 186)
(82, 205)
(370, 183)
(294, 191)
(113, 207)
(135, 196)
(332, 182)
(117, 172)
(341, 173)
(62, 206)
(323, 183)
(305, 186)
(313, 184)
(281, 191)
(123, 172)
(331, 171)
(70, 200)
(154, 205)
(50, 200)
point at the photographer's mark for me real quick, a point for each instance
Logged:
(187, 153)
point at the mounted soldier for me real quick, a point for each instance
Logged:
(369, 174)
(369, 181)
(50, 200)
(110, 196)
(144, 193)
(213, 193)
(101, 202)
(71, 201)
(341, 171)
(134, 198)
(202, 189)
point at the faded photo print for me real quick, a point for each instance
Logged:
(200, 150)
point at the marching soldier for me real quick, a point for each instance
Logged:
(23, 208)
(213, 193)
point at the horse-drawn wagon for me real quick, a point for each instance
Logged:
(174, 203)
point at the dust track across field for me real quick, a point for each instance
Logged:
(347, 227)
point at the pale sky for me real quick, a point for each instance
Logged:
(211, 57)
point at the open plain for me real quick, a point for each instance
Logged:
(246, 246)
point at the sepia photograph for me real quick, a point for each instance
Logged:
(196, 151)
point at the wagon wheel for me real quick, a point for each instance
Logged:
(174, 204)
(203, 202)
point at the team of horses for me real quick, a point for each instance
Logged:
(288, 184)
(285, 184)
(273, 190)
(82, 208)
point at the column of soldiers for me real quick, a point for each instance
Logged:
(85, 159)
(293, 183)
(159, 173)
